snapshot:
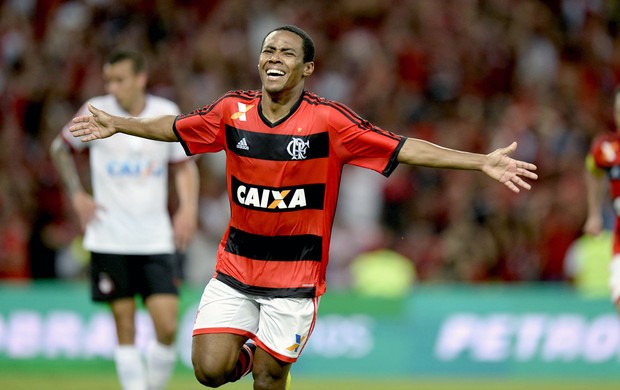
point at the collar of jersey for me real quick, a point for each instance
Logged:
(291, 112)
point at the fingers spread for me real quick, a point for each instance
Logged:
(511, 185)
(525, 184)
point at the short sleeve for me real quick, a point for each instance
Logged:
(200, 130)
(358, 142)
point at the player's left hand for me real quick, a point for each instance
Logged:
(507, 170)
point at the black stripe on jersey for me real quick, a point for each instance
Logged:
(293, 292)
(274, 248)
(276, 147)
(271, 199)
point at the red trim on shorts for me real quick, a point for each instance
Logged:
(286, 359)
(315, 301)
(247, 334)
(239, 332)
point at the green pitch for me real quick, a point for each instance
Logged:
(100, 375)
(66, 380)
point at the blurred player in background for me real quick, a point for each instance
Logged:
(603, 167)
(127, 225)
(285, 150)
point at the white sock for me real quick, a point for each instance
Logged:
(160, 361)
(129, 367)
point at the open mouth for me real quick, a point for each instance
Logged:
(274, 74)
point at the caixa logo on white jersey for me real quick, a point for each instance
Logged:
(134, 168)
(308, 196)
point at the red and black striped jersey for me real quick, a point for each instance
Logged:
(283, 180)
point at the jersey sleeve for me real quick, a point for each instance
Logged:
(201, 130)
(358, 142)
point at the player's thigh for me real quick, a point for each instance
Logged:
(285, 326)
(164, 310)
(226, 318)
(223, 309)
(268, 371)
(123, 312)
(215, 354)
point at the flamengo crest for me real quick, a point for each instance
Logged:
(297, 148)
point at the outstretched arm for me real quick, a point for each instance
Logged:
(497, 164)
(102, 125)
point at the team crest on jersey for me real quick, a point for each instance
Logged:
(243, 108)
(297, 148)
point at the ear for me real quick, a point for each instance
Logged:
(308, 68)
(143, 78)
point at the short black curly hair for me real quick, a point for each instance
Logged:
(308, 43)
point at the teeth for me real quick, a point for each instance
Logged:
(275, 72)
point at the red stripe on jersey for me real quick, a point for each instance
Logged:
(277, 166)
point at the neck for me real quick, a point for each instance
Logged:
(136, 106)
(276, 106)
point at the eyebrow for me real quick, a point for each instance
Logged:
(281, 49)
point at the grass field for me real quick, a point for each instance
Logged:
(100, 380)
(55, 382)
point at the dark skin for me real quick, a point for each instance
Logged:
(283, 72)
(217, 353)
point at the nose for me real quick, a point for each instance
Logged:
(274, 57)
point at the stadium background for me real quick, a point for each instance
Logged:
(468, 74)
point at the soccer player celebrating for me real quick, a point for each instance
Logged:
(285, 150)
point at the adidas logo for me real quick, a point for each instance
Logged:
(243, 144)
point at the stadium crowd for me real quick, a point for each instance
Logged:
(468, 74)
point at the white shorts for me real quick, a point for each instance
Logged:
(280, 326)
